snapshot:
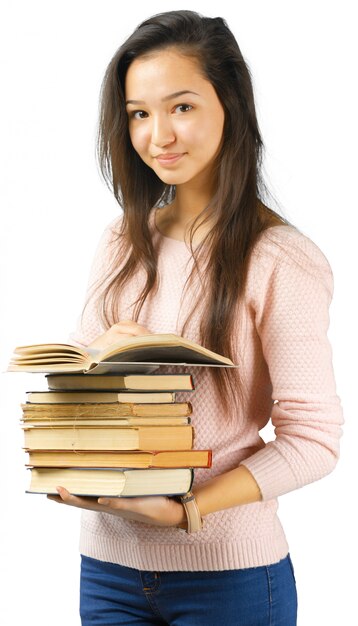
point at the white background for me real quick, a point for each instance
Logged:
(54, 206)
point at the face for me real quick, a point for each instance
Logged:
(175, 118)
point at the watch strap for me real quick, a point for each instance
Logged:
(194, 518)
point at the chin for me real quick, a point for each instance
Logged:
(173, 178)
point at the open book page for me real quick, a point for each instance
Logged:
(146, 350)
(160, 347)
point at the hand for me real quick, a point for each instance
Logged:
(155, 510)
(124, 328)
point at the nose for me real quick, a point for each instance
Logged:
(162, 131)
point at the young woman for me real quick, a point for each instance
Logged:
(198, 253)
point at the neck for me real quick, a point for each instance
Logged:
(175, 219)
(191, 199)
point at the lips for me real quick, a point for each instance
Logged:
(166, 159)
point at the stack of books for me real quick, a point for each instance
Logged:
(109, 425)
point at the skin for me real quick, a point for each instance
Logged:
(190, 125)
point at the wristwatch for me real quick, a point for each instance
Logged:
(194, 518)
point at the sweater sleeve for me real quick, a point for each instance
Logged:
(89, 325)
(292, 319)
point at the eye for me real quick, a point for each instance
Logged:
(184, 107)
(137, 115)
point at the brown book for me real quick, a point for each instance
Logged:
(112, 482)
(111, 421)
(116, 409)
(151, 349)
(108, 458)
(109, 438)
(63, 397)
(131, 382)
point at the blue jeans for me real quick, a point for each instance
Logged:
(258, 596)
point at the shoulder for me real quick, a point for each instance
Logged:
(286, 252)
(285, 244)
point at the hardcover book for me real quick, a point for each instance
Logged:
(130, 459)
(130, 382)
(109, 438)
(100, 397)
(112, 482)
(105, 410)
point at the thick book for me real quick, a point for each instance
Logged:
(63, 397)
(131, 382)
(108, 458)
(112, 482)
(109, 438)
(154, 349)
(115, 409)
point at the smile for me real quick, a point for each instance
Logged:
(169, 159)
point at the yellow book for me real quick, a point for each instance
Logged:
(109, 458)
(114, 409)
(112, 421)
(112, 482)
(153, 349)
(130, 382)
(109, 438)
(63, 397)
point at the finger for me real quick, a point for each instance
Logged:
(132, 328)
(69, 498)
(64, 494)
(127, 323)
(55, 498)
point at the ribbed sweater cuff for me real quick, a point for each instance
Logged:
(272, 473)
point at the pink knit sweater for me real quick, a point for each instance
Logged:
(286, 365)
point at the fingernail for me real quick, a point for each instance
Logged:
(104, 501)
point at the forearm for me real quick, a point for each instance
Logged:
(227, 490)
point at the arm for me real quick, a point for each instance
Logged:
(231, 489)
(292, 320)
(291, 304)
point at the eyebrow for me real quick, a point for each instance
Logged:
(176, 94)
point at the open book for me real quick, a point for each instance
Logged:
(146, 350)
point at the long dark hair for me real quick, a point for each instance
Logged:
(238, 204)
